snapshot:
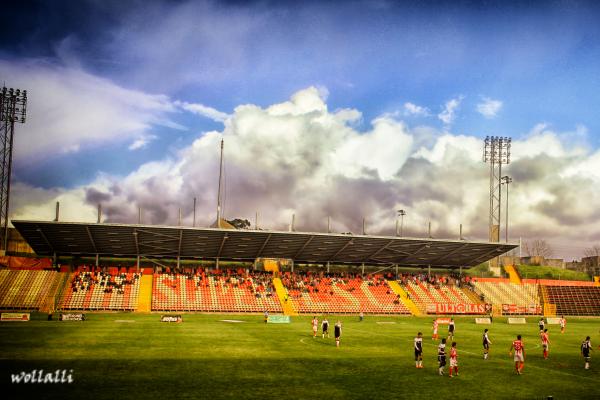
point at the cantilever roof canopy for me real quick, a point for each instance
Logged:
(85, 239)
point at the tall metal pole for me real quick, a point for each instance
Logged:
(13, 109)
(219, 193)
(194, 220)
(401, 213)
(506, 180)
(496, 152)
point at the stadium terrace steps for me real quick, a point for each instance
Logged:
(425, 294)
(97, 291)
(499, 292)
(395, 286)
(145, 298)
(208, 292)
(470, 295)
(25, 289)
(574, 300)
(341, 295)
(284, 298)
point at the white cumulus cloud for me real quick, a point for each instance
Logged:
(69, 109)
(448, 113)
(299, 157)
(489, 108)
(204, 111)
(413, 109)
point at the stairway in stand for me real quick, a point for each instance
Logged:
(513, 275)
(286, 303)
(145, 297)
(396, 288)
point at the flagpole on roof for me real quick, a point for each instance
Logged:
(219, 193)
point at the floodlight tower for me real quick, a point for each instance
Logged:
(13, 109)
(496, 152)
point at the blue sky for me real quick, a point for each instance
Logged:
(459, 69)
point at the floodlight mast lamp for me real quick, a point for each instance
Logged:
(496, 152)
(13, 109)
(401, 214)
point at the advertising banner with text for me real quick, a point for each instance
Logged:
(444, 308)
(519, 309)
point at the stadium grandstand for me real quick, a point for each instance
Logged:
(283, 272)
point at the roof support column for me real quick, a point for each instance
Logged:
(363, 269)
(429, 271)
(327, 266)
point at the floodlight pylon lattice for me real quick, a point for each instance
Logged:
(496, 152)
(13, 109)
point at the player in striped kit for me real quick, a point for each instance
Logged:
(519, 358)
(325, 328)
(586, 347)
(451, 328)
(419, 350)
(563, 324)
(442, 356)
(486, 344)
(545, 342)
(337, 331)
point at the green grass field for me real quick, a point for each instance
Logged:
(122, 355)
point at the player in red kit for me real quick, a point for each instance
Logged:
(435, 329)
(545, 342)
(453, 359)
(519, 358)
(315, 326)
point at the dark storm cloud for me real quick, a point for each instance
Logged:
(94, 196)
(540, 167)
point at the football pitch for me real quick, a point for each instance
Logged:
(124, 355)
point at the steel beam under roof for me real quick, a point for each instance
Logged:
(66, 238)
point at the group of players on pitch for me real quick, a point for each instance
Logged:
(337, 329)
(517, 347)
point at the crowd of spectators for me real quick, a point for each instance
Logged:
(322, 282)
(256, 282)
(85, 280)
(438, 280)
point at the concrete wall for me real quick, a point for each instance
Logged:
(554, 262)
